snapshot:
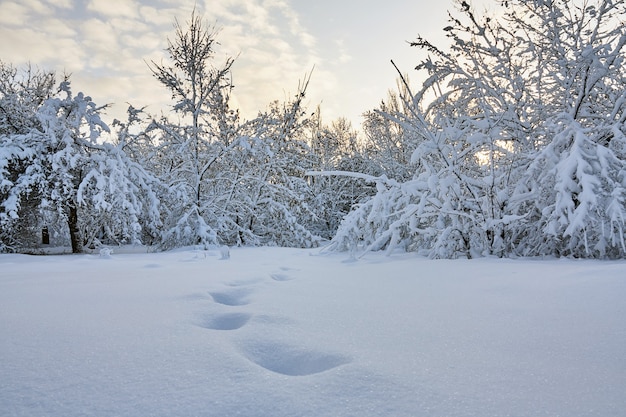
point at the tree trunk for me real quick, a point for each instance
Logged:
(72, 222)
(45, 236)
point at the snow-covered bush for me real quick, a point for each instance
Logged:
(60, 169)
(190, 147)
(574, 196)
(520, 129)
(228, 181)
(335, 148)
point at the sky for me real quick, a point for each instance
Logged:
(106, 44)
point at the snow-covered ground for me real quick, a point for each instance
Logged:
(287, 332)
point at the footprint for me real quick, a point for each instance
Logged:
(291, 361)
(236, 297)
(281, 277)
(232, 321)
(244, 282)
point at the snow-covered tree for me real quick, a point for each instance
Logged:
(388, 145)
(74, 176)
(461, 128)
(21, 94)
(573, 194)
(336, 148)
(140, 154)
(519, 130)
(229, 181)
(270, 190)
(204, 132)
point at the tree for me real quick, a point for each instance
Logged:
(336, 148)
(69, 174)
(229, 181)
(573, 194)
(190, 151)
(388, 144)
(21, 94)
(140, 154)
(519, 129)
(269, 195)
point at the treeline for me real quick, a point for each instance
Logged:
(514, 145)
(199, 176)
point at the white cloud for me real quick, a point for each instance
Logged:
(110, 8)
(157, 17)
(36, 47)
(344, 56)
(57, 28)
(13, 13)
(101, 43)
(37, 6)
(274, 51)
(106, 43)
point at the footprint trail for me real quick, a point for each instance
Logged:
(228, 321)
(290, 360)
(281, 358)
(236, 297)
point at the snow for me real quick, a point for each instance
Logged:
(290, 332)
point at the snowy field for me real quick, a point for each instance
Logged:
(287, 332)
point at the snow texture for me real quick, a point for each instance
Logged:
(289, 332)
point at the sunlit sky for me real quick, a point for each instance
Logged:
(105, 45)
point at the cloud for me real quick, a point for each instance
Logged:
(161, 18)
(275, 51)
(112, 8)
(13, 13)
(61, 54)
(106, 44)
(343, 56)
